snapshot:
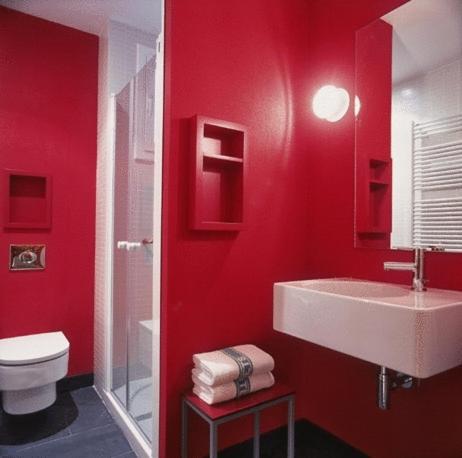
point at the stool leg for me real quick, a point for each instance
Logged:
(184, 429)
(213, 449)
(256, 434)
(291, 428)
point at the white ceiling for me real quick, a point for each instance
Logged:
(427, 34)
(91, 15)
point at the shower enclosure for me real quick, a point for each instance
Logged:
(131, 60)
(132, 292)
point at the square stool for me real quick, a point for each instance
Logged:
(254, 403)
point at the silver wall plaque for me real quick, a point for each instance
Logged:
(27, 257)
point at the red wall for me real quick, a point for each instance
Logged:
(48, 86)
(259, 63)
(240, 62)
(338, 392)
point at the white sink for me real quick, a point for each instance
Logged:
(419, 334)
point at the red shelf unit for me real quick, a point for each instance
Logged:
(217, 174)
(27, 200)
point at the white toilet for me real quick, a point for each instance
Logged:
(30, 366)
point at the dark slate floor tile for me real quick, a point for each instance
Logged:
(85, 396)
(126, 455)
(91, 411)
(22, 431)
(310, 441)
(104, 442)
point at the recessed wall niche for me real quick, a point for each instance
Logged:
(28, 200)
(217, 174)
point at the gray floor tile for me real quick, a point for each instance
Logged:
(103, 442)
(84, 396)
(91, 411)
(15, 450)
(78, 425)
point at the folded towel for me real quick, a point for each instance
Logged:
(236, 389)
(223, 366)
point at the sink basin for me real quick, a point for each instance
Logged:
(417, 333)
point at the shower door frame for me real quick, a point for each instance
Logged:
(131, 430)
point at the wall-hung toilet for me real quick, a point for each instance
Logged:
(30, 366)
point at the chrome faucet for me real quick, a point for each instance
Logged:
(417, 267)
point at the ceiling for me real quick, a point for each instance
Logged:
(91, 15)
(427, 34)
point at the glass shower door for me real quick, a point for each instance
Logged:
(132, 333)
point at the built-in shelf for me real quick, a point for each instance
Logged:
(27, 200)
(222, 158)
(377, 184)
(373, 202)
(217, 174)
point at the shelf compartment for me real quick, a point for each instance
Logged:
(377, 184)
(28, 200)
(379, 170)
(220, 158)
(217, 175)
(373, 202)
(221, 138)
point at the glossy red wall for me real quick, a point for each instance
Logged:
(240, 62)
(259, 63)
(48, 86)
(338, 391)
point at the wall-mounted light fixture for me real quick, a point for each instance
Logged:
(331, 103)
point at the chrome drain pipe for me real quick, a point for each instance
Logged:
(387, 382)
(383, 389)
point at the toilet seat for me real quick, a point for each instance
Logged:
(23, 350)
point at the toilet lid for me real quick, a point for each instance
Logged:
(31, 349)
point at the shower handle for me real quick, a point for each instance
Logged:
(131, 246)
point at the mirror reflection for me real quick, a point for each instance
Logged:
(409, 128)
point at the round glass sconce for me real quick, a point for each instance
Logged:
(331, 103)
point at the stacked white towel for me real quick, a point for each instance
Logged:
(232, 372)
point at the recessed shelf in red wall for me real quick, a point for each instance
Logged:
(376, 184)
(217, 174)
(27, 200)
(373, 205)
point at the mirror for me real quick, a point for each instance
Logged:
(408, 154)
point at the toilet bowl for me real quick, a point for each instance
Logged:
(30, 366)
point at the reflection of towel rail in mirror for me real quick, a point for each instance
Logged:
(437, 183)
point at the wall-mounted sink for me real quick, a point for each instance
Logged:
(417, 333)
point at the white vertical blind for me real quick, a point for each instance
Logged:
(437, 183)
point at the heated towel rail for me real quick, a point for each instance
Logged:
(437, 183)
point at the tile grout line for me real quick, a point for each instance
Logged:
(28, 447)
(67, 437)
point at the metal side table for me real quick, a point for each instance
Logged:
(218, 414)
